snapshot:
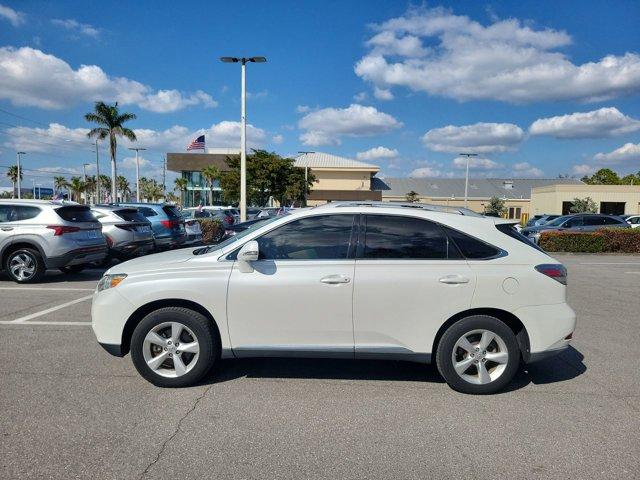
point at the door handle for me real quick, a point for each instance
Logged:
(335, 279)
(6, 229)
(453, 279)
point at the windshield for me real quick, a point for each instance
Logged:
(558, 221)
(236, 237)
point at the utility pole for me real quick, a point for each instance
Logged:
(137, 149)
(84, 179)
(164, 175)
(97, 174)
(20, 174)
(466, 178)
(243, 130)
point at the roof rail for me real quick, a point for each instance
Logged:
(421, 206)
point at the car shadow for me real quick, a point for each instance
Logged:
(563, 367)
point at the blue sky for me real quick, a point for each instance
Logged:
(536, 88)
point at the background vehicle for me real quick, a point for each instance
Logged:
(166, 223)
(38, 234)
(633, 220)
(273, 212)
(545, 219)
(192, 226)
(580, 222)
(224, 214)
(127, 232)
(233, 230)
(467, 292)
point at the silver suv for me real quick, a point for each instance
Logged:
(37, 234)
(127, 231)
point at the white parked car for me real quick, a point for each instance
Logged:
(350, 280)
(633, 220)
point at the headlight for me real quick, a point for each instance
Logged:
(110, 281)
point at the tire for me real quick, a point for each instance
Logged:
(73, 268)
(160, 351)
(484, 367)
(25, 265)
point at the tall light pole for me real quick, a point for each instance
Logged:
(466, 178)
(137, 149)
(19, 173)
(243, 129)
(84, 179)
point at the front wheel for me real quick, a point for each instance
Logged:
(478, 355)
(25, 265)
(174, 347)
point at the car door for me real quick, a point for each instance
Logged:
(298, 298)
(8, 217)
(409, 279)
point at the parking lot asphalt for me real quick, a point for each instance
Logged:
(69, 410)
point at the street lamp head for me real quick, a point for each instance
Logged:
(21, 153)
(229, 59)
(257, 59)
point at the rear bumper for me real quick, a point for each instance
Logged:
(548, 327)
(78, 256)
(171, 241)
(133, 248)
(536, 357)
(115, 350)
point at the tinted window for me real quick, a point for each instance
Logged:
(76, 214)
(391, 236)
(323, 237)
(147, 211)
(172, 212)
(15, 213)
(573, 222)
(131, 215)
(610, 221)
(634, 220)
(471, 247)
(510, 230)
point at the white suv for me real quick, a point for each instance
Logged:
(349, 280)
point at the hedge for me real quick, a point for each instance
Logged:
(212, 230)
(618, 240)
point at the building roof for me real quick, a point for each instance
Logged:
(326, 160)
(454, 187)
(195, 162)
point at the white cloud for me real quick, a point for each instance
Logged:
(303, 109)
(505, 60)
(377, 153)
(30, 77)
(326, 126)
(129, 163)
(227, 134)
(424, 172)
(77, 27)
(524, 169)
(13, 16)
(475, 163)
(42, 140)
(382, 93)
(583, 169)
(629, 152)
(277, 139)
(360, 96)
(478, 138)
(605, 122)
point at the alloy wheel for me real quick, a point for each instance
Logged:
(171, 349)
(480, 356)
(22, 266)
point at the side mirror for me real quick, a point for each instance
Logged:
(249, 252)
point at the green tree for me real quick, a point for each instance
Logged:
(583, 205)
(122, 186)
(76, 187)
(631, 179)
(59, 183)
(111, 123)
(604, 176)
(151, 189)
(268, 175)
(210, 173)
(181, 186)
(412, 196)
(90, 188)
(495, 208)
(105, 184)
(12, 173)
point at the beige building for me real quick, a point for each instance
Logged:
(610, 199)
(338, 178)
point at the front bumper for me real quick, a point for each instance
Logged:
(109, 313)
(115, 350)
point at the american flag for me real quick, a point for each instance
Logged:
(197, 144)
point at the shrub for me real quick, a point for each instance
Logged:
(212, 230)
(617, 240)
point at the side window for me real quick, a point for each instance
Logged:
(15, 213)
(397, 237)
(5, 213)
(634, 220)
(610, 221)
(472, 248)
(593, 220)
(573, 222)
(324, 237)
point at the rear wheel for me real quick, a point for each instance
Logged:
(174, 347)
(478, 355)
(25, 265)
(72, 268)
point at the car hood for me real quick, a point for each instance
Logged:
(155, 262)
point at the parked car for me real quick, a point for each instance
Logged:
(343, 280)
(545, 219)
(633, 220)
(127, 232)
(166, 223)
(581, 222)
(232, 230)
(37, 234)
(192, 226)
(273, 212)
(226, 214)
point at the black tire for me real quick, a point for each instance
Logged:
(464, 326)
(204, 332)
(72, 268)
(34, 256)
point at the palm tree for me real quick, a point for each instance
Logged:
(111, 121)
(12, 173)
(122, 185)
(105, 183)
(210, 173)
(151, 190)
(181, 185)
(59, 183)
(77, 186)
(90, 187)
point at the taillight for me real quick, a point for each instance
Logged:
(109, 241)
(554, 270)
(229, 219)
(62, 229)
(170, 223)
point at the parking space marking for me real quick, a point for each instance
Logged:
(39, 322)
(636, 272)
(609, 263)
(50, 289)
(49, 310)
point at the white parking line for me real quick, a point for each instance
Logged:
(636, 272)
(37, 322)
(49, 310)
(50, 289)
(609, 263)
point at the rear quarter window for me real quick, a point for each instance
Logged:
(76, 214)
(131, 215)
(471, 247)
(147, 211)
(510, 231)
(172, 212)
